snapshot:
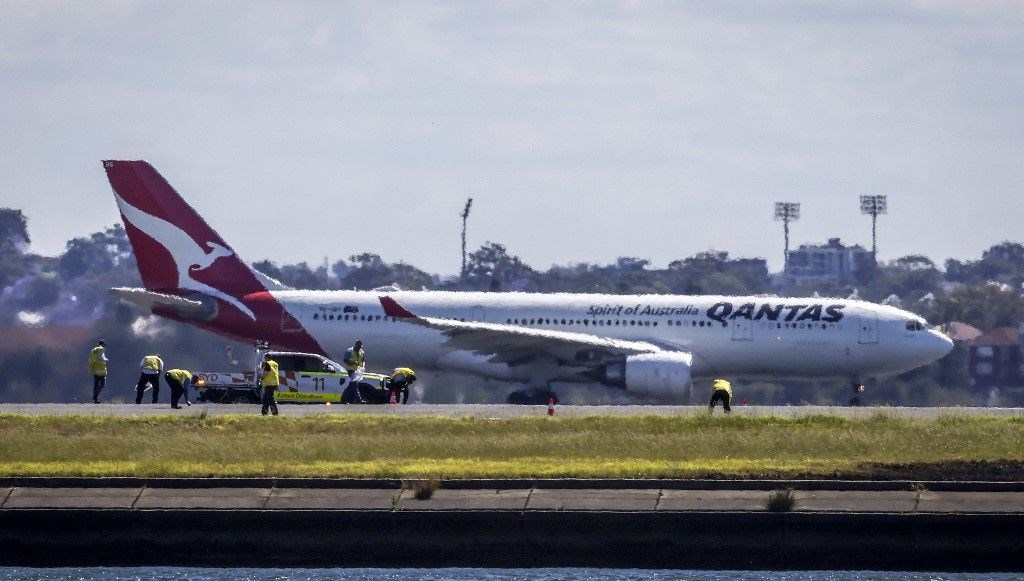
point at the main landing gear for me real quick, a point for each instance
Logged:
(538, 396)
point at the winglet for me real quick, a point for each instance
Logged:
(393, 309)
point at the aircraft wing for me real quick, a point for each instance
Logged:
(515, 345)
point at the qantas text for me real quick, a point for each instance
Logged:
(776, 312)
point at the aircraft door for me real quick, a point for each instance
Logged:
(742, 330)
(478, 314)
(868, 329)
(291, 322)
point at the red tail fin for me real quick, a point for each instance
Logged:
(176, 249)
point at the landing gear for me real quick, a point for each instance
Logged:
(537, 396)
(858, 390)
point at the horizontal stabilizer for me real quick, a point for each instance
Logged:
(149, 300)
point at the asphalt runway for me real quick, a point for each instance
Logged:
(495, 410)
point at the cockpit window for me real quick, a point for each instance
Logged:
(915, 326)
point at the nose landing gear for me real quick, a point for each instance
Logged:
(858, 390)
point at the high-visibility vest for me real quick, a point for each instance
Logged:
(180, 375)
(270, 377)
(400, 371)
(722, 385)
(354, 359)
(97, 366)
(152, 362)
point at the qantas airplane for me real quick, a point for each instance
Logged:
(647, 345)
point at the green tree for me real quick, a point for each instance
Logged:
(491, 266)
(986, 307)
(13, 229)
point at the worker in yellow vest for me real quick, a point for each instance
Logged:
(98, 369)
(151, 366)
(721, 391)
(354, 360)
(179, 381)
(398, 383)
(269, 382)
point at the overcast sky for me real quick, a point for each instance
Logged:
(584, 131)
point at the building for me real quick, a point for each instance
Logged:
(994, 358)
(831, 261)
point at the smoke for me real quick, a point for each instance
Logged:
(31, 319)
(151, 327)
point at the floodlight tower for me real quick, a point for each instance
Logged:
(786, 211)
(874, 206)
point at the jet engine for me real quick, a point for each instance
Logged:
(654, 374)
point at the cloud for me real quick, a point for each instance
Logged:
(548, 114)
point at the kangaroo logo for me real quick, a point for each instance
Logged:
(188, 256)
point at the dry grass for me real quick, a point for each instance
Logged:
(438, 447)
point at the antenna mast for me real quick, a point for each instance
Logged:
(786, 212)
(465, 217)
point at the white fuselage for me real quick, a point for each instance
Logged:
(729, 336)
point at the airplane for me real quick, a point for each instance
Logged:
(647, 345)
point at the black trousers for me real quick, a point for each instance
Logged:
(177, 390)
(269, 400)
(401, 393)
(98, 383)
(720, 395)
(151, 379)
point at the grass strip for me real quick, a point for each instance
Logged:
(823, 446)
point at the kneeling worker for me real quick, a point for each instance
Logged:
(398, 383)
(269, 383)
(721, 392)
(179, 381)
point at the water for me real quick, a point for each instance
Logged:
(218, 574)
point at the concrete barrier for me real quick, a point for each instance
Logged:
(733, 540)
(512, 483)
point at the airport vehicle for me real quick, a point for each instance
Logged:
(305, 378)
(653, 345)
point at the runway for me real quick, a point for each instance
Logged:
(497, 411)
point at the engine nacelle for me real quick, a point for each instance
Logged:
(656, 374)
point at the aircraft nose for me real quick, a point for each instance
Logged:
(941, 345)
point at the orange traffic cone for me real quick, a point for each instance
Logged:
(394, 398)
(551, 406)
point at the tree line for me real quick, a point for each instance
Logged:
(52, 294)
